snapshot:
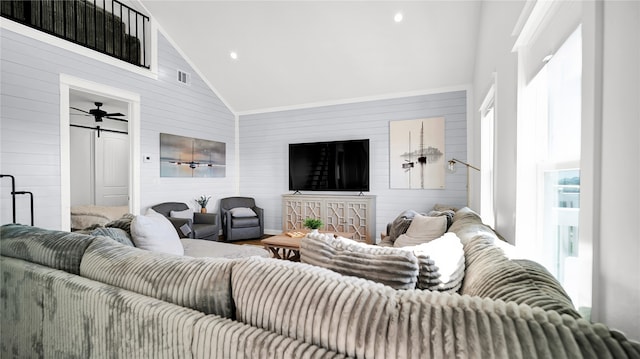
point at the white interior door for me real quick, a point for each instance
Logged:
(112, 169)
(82, 162)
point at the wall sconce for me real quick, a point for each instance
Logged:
(451, 167)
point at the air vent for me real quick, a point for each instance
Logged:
(184, 77)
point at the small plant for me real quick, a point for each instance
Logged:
(203, 200)
(312, 223)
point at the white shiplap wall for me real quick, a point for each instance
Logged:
(264, 140)
(30, 129)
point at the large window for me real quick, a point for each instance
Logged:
(550, 155)
(487, 145)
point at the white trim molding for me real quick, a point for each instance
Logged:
(67, 83)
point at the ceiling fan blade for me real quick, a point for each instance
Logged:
(77, 109)
(114, 114)
(80, 114)
(117, 119)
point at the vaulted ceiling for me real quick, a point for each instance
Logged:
(300, 53)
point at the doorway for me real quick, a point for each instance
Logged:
(99, 159)
(99, 150)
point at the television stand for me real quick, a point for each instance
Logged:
(339, 213)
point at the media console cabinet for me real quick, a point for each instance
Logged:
(339, 213)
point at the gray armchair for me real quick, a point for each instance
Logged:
(201, 226)
(237, 225)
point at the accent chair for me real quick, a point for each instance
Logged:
(190, 224)
(241, 218)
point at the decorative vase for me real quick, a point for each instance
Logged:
(314, 231)
(203, 210)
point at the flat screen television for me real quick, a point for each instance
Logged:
(329, 166)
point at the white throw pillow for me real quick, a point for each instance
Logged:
(242, 212)
(154, 232)
(186, 214)
(422, 229)
(447, 252)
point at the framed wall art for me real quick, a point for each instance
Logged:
(416, 154)
(191, 157)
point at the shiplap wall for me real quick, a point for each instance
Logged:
(264, 139)
(30, 128)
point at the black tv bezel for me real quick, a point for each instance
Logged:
(360, 189)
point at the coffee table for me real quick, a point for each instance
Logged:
(283, 246)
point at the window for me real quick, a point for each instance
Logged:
(549, 154)
(487, 144)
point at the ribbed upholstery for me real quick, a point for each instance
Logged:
(348, 315)
(202, 284)
(89, 319)
(216, 337)
(490, 274)
(394, 267)
(55, 249)
(21, 313)
(468, 224)
(362, 319)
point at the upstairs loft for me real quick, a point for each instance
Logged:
(106, 26)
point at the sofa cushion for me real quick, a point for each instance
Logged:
(185, 214)
(491, 274)
(400, 224)
(154, 232)
(202, 284)
(394, 267)
(55, 249)
(240, 212)
(421, 230)
(362, 319)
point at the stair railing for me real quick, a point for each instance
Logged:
(13, 198)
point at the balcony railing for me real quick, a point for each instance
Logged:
(106, 26)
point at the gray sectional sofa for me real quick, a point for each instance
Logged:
(75, 295)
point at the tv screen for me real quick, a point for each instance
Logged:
(329, 166)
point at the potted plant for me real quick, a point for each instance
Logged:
(202, 201)
(313, 224)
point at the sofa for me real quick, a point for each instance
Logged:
(79, 295)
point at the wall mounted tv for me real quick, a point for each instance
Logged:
(329, 166)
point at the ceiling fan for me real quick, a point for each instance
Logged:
(99, 114)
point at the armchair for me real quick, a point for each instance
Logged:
(238, 222)
(197, 225)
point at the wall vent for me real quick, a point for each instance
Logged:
(184, 77)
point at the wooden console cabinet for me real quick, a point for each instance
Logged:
(352, 214)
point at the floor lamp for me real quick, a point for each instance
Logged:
(452, 169)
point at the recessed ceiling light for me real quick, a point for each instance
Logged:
(233, 55)
(398, 17)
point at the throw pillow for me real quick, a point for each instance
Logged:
(186, 214)
(442, 258)
(395, 267)
(400, 225)
(117, 234)
(242, 212)
(154, 232)
(421, 230)
(123, 223)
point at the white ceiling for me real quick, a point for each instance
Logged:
(295, 54)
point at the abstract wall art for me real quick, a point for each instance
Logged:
(416, 154)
